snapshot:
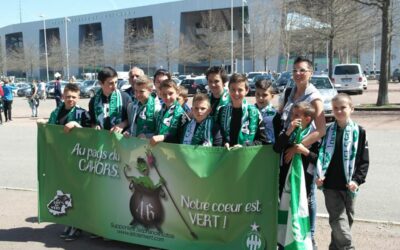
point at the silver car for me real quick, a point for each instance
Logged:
(327, 90)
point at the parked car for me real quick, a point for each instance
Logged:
(24, 90)
(396, 75)
(18, 86)
(282, 81)
(374, 75)
(252, 84)
(123, 84)
(50, 88)
(195, 85)
(89, 88)
(348, 78)
(327, 90)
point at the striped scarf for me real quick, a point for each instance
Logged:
(115, 109)
(169, 118)
(349, 147)
(142, 118)
(250, 120)
(70, 117)
(293, 218)
(200, 136)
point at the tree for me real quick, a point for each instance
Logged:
(188, 52)
(31, 59)
(91, 54)
(385, 7)
(213, 37)
(264, 32)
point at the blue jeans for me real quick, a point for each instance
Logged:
(312, 208)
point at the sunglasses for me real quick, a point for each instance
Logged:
(301, 71)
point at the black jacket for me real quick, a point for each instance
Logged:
(280, 146)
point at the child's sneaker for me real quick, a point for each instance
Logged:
(74, 234)
(65, 233)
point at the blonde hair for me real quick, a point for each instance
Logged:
(144, 80)
(200, 97)
(343, 97)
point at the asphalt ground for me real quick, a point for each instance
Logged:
(376, 207)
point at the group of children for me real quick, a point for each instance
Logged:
(225, 118)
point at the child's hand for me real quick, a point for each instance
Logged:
(156, 139)
(319, 182)
(126, 134)
(227, 146)
(293, 125)
(116, 129)
(97, 127)
(41, 121)
(289, 153)
(70, 125)
(352, 186)
(301, 149)
(236, 146)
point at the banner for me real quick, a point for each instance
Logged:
(169, 196)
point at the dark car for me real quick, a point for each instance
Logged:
(195, 85)
(50, 88)
(89, 88)
(396, 75)
(282, 81)
(252, 84)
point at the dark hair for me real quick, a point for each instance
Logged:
(72, 87)
(302, 59)
(168, 83)
(105, 73)
(199, 97)
(265, 84)
(163, 72)
(183, 92)
(305, 107)
(219, 71)
(236, 78)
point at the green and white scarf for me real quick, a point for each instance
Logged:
(200, 136)
(115, 108)
(293, 217)
(223, 101)
(169, 119)
(250, 120)
(349, 147)
(70, 117)
(142, 118)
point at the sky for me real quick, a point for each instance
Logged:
(32, 9)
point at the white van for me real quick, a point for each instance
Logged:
(348, 78)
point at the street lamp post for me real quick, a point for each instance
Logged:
(66, 20)
(243, 36)
(45, 46)
(232, 70)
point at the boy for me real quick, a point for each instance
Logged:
(108, 107)
(219, 96)
(342, 167)
(201, 130)
(302, 116)
(169, 119)
(69, 114)
(264, 94)
(240, 122)
(183, 99)
(142, 112)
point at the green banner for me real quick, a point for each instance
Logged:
(170, 196)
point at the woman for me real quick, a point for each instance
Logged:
(304, 91)
(33, 99)
(8, 99)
